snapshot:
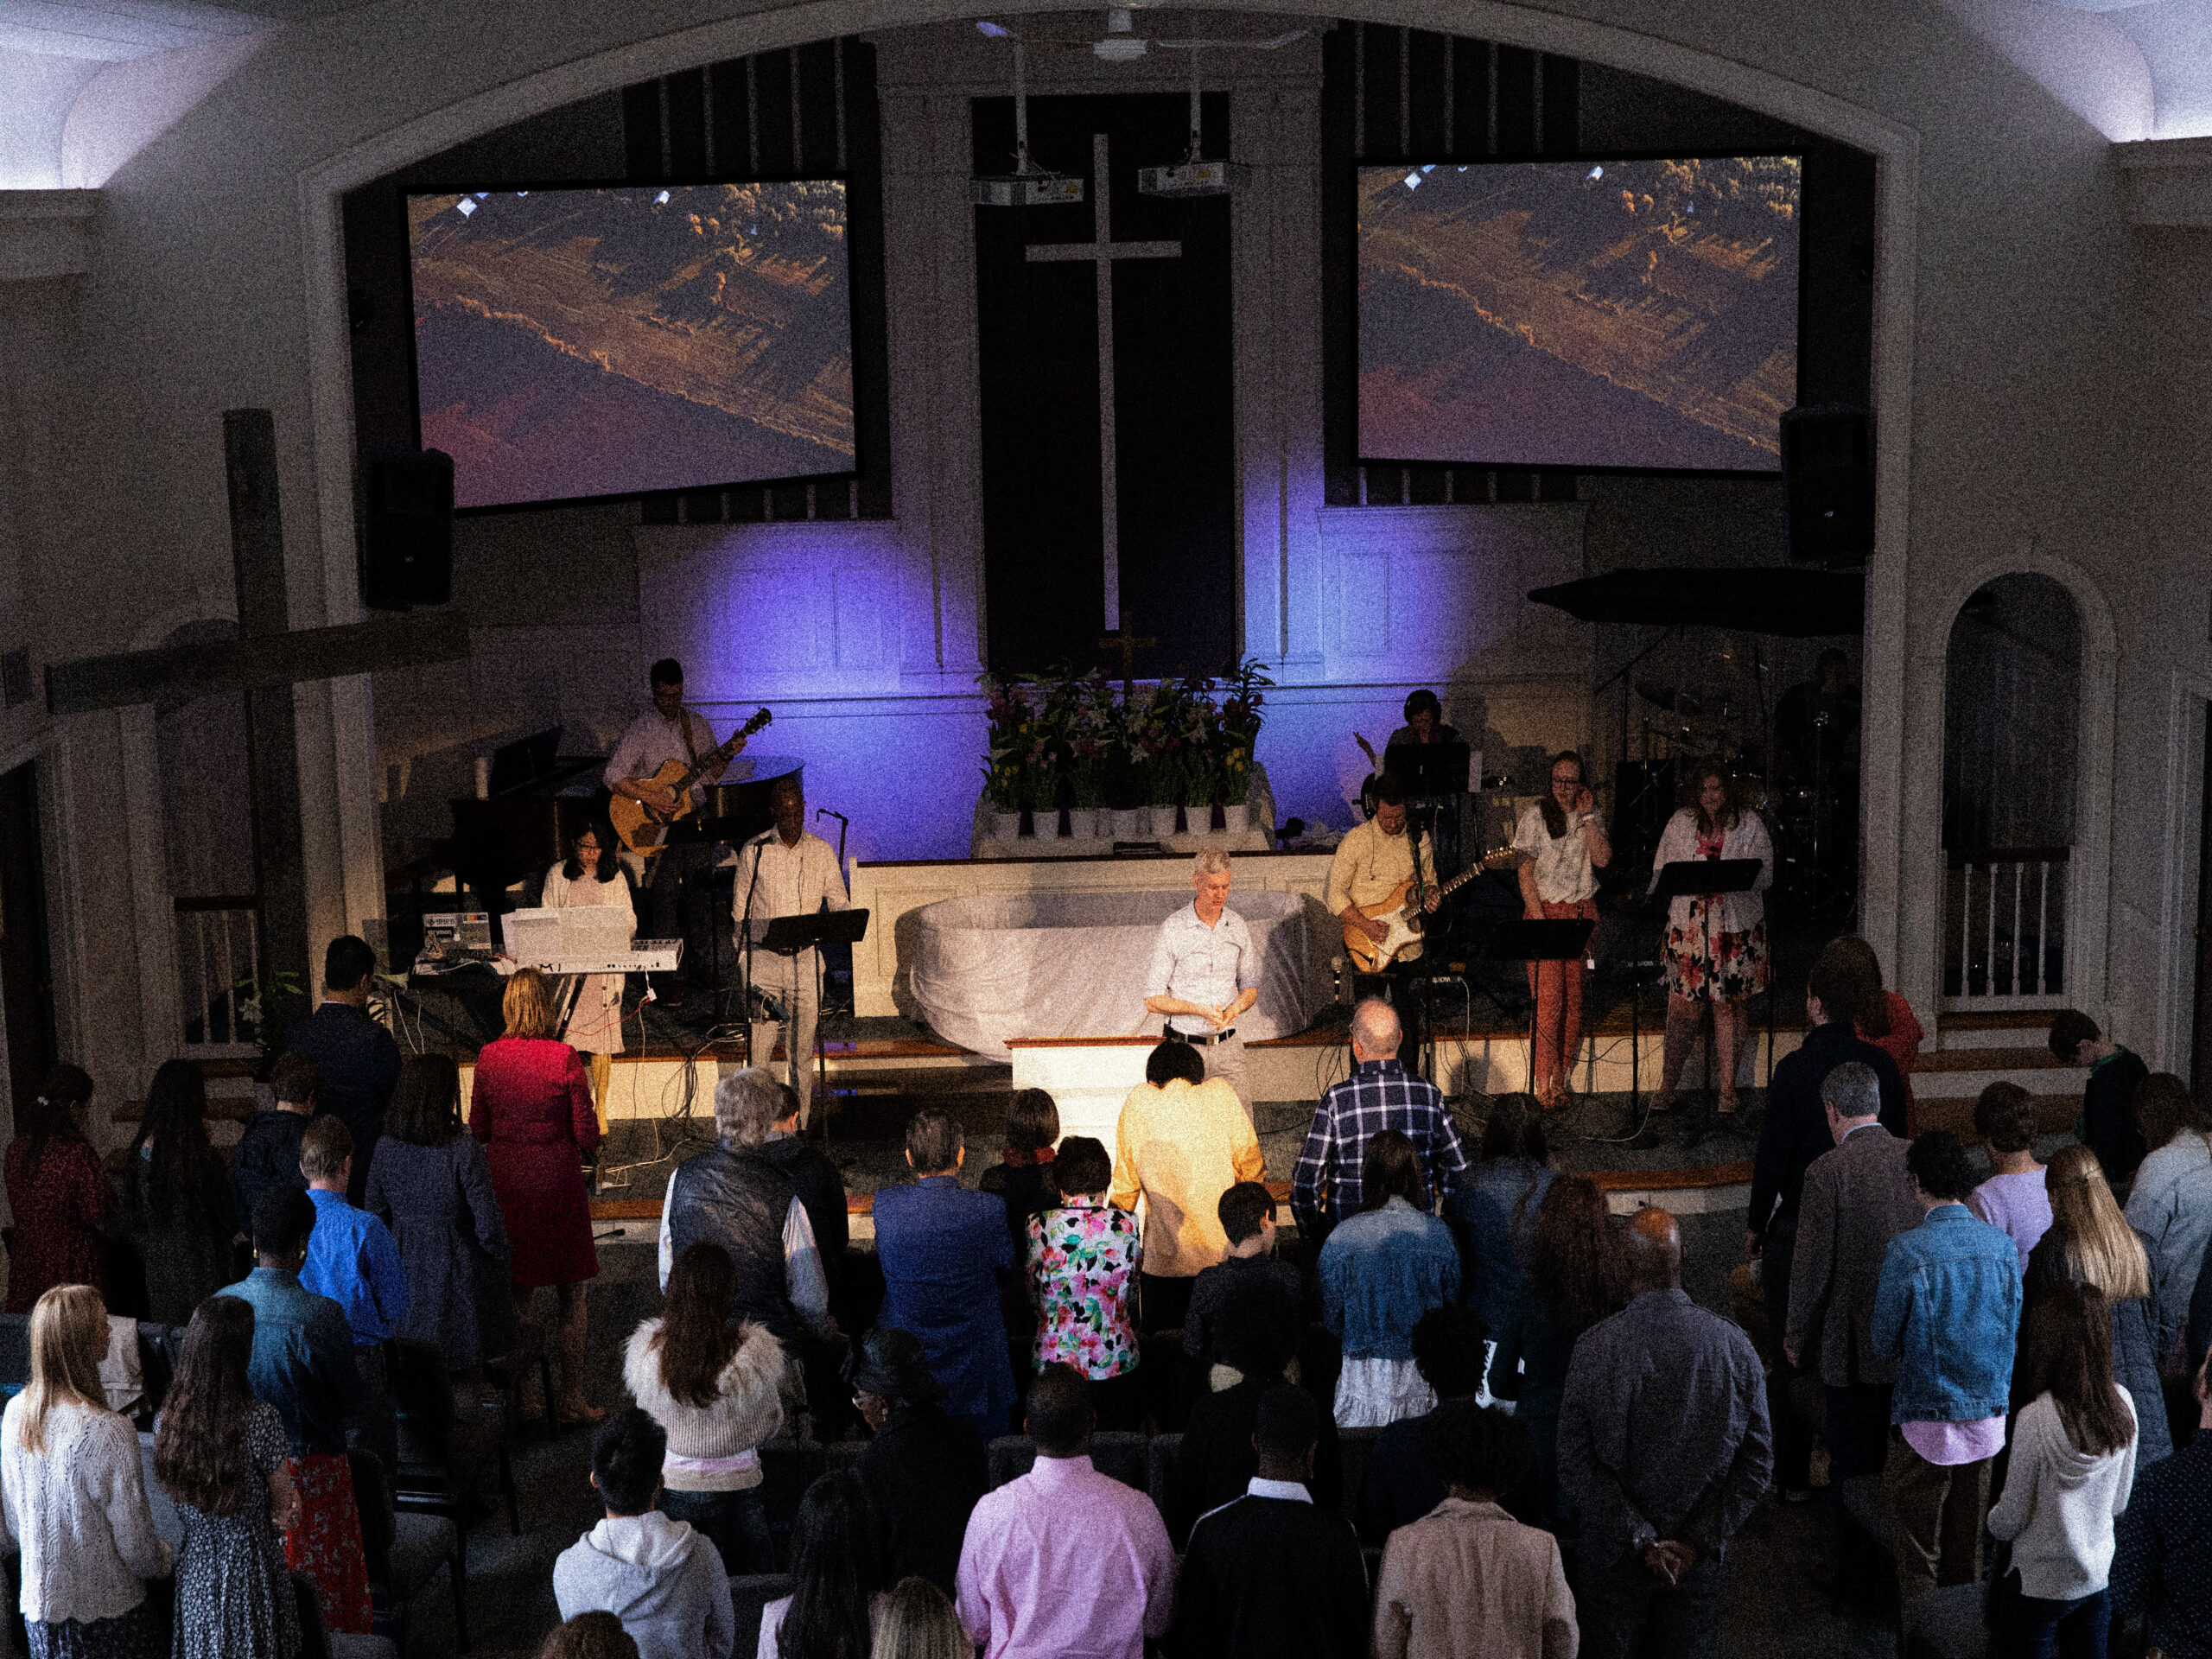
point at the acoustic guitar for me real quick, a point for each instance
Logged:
(643, 830)
(1397, 911)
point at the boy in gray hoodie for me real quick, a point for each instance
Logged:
(662, 1580)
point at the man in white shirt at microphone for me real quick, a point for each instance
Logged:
(784, 871)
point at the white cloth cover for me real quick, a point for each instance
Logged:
(1073, 964)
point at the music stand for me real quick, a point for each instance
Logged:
(788, 936)
(1692, 878)
(1523, 941)
(1430, 770)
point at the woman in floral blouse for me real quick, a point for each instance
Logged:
(1083, 1276)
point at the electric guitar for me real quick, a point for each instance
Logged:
(643, 830)
(1404, 918)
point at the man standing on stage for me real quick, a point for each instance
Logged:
(784, 871)
(667, 732)
(1371, 862)
(1204, 974)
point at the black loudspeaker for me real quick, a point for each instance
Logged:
(1827, 473)
(407, 552)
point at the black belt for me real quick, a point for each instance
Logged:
(1205, 1040)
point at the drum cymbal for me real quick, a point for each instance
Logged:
(1667, 696)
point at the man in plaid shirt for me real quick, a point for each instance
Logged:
(1380, 1094)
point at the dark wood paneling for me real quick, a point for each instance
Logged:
(686, 99)
(1516, 100)
(817, 107)
(733, 134)
(1561, 120)
(771, 87)
(641, 136)
(1382, 46)
(1470, 99)
(1426, 82)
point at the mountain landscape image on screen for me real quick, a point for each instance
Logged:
(587, 342)
(1623, 314)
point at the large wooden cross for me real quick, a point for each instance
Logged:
(264, 662)
(1103, 251)
(1130, 645)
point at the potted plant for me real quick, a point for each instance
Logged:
(1238, 737)
(1005, 715)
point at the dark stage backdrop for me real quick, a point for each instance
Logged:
(1038, 332)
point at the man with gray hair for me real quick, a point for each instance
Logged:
(732, 1196)
(1856, 1199)
(1380, 1094)
(1204, 973)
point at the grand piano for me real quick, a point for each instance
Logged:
(539, 800)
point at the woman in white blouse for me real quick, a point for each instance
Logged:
(1561, 851)
(75, 1496)
(593, 875)
(1715, 950)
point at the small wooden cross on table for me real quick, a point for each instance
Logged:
(1129, 644)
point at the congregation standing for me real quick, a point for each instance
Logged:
(1562, 1445)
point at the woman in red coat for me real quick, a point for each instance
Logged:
(1886, 1020)
(58, 1192)
(531, 1107)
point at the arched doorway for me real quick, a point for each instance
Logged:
(2011, 736)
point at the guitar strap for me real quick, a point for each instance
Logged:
(684, 726)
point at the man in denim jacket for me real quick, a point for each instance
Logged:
(1946, 1312)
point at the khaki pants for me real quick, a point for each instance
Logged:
(1937, 1512)
(789, 980)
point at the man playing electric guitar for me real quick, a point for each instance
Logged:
(668, 731)
(1371, 862)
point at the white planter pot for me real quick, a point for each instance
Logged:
(1236, 820)
(1131, 823)
(1006, 826)
(1083, 823)
(1163, 821)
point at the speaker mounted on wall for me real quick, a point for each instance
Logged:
(1827, 473)
(407, 546)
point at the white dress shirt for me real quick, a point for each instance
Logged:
(1209, 966)
(651, 742)
(795, 881)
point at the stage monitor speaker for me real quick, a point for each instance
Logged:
(407, 557)
(1828, 474)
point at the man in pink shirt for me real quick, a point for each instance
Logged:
(1065, 1560)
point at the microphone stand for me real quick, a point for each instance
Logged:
(745, 924)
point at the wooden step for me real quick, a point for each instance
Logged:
(1990, 1060)
(1997, 1019)
(2054, 1112)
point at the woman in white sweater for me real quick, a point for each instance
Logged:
(74, 1495)
(717, 1392)
(2073, 1465)
(1715, 946)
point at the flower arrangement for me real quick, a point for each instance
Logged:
(1069, 738)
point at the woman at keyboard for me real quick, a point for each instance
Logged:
(593, 875)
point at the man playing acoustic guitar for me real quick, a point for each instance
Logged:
(667, 732)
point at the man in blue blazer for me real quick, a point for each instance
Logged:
(942, 1247)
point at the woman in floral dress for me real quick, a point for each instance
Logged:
(219, 1455)
(1715, 948)
(1083, 1275)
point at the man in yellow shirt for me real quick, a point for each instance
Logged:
(1181, 1143)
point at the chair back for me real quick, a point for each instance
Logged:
(1119, 1452)
(748, 1594)
(1356, 1447)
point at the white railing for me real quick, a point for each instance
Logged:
(219, 974)
(2004, 928)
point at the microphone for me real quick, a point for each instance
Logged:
(826, 812)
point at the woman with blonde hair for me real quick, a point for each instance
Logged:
(920, 1622)
(1715, 945)
(2090, 1242)
(75, 1501)
(531, 1107)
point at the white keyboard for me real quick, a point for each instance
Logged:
(645, 956)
